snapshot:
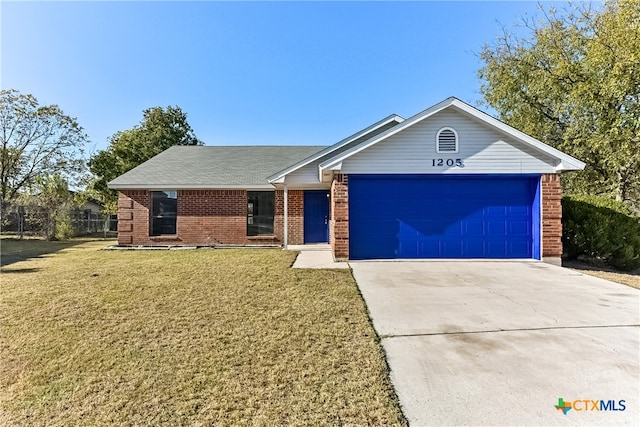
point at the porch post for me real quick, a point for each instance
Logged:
(286, 216)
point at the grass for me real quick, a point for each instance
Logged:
(201, 337)
(13, 249)
(631, 278)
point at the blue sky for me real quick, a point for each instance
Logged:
(280, 73)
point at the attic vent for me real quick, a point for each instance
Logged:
(447, 141)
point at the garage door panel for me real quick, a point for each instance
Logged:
(441, 217)
(452, 249)
(496, 249)
(473, 228)
(519, 228)
(519, 210)
(474, 247)
(495, 210)
(496, 228)
(520, 249)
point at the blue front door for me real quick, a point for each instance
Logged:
(316, 216)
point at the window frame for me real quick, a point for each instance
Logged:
(253, 198)
(153, 217)
(457, 140)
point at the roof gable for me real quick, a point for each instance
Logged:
(564, 161)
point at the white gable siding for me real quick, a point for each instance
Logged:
(482, 150)
(305, 177)
(306, 174)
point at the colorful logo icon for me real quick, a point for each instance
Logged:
(581, 405)
(563, 406)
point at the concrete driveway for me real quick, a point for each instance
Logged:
(498, 343)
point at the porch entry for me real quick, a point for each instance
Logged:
(316, 216)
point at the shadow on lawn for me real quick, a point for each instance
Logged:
(19, 270)
(13, 250)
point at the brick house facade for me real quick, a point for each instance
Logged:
(214, 191)
(206, 218)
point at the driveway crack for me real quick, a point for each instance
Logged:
(489, 331)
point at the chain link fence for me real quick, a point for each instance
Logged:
(34, 221)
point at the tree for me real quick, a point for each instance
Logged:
(50, 200)
(159, 129)
(36, 141)
(574, 83)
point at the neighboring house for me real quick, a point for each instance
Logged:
(449, 182)
(89, 218)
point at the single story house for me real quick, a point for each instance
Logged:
(449, 182)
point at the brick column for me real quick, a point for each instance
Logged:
(133, 217)
(296, 217)
(551, 218)
(339, 224)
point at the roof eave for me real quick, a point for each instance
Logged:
(191, 186)
(275, 178)
(568, 165)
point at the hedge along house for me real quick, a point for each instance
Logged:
(449, 182)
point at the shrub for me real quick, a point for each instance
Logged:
(64, 227)
(598, 228)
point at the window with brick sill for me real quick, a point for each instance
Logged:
(164, 212)
(260, 213)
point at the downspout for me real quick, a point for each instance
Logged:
(286, 216)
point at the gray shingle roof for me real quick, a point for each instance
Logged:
(198, 167)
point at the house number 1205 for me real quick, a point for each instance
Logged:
(447, 162)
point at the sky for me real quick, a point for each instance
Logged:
(249, 73)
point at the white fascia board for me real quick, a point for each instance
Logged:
(318, 186)
(566, 162)
(334, 167)
(281, 175)
(191, 187)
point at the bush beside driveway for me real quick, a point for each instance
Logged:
(198, 337)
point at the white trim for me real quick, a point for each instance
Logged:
(455, 134)
(154, 187)
(566, 162)
(280, 176)
(286, 216)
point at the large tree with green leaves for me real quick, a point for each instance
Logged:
(159, 129)
(573, 81)
(37, 141)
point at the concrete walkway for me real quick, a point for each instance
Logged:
(316, 256)
(499, 343)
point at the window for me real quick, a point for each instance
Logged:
(447, 141)
(260, 212)
(164, 211)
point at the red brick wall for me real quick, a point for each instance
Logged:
(339, 223)
(295, 218)
(207, 217)
(211, 217)
(551, 216)
(133, 216)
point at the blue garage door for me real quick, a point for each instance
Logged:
(436, 216)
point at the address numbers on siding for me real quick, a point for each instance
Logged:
(447, 162)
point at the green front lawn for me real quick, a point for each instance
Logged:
(199, 337)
